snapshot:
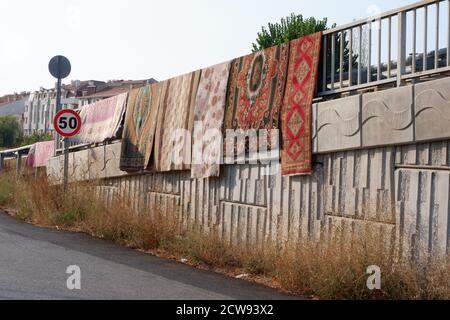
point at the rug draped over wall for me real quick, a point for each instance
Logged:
(175, 122)
(39, 154)
(255, 92)
(140, 127)
(296, 116)
(101, 121)
(208, 121)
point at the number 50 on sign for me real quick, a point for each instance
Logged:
(67, 123)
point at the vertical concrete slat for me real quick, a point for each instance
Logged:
(442, 232)
(350, 192)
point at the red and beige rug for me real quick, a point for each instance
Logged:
(296, 115)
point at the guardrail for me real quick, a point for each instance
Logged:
(387, 49)
(16, 154)
(73, 147)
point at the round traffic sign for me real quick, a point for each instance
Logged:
(67, 123)
(59, 67)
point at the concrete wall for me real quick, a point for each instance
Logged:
(381, 159)
(405, 115)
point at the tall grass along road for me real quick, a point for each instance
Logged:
(333, 266)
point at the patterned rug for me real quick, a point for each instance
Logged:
(175, 122)
(139, 128)
(101, 121)
(256, 89)
(39, 153)
(208, 120)
(296, 116)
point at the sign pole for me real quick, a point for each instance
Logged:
(66, 145)
(66, 164)
(67, 123)
(58, 96)
(59, 67)
(58, 108)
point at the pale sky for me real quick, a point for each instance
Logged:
(139, 39)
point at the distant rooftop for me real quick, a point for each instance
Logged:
(13, 108)
(13, 97)
(116, 87)
(86, 89)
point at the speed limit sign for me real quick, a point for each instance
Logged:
(67, 123)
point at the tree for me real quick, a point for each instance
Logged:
(37, 137)
(294, 27)
(10, 133)
(289, 28)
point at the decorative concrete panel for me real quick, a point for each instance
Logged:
(55, 168)
(434, 154)
(360, 184)
(164, 204)
(112, 160)
(243, 184)
(314, 129)
(108, 193)
(338, 125)
(168, 183)
(241, 224)
(79, 166)
(347, 229)
(97, 163)
(296, 205)
(432, 110)
(423, 209)
(387, 117)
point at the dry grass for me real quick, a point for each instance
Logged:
(337, 270)
(332, 268)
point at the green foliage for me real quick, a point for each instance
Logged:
(37, 137)
(6, 189)
(294, 27)
(68, 217)
(10, 133)
(289, 28)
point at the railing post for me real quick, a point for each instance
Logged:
(448, 33)
(18, 162)
(401, 57)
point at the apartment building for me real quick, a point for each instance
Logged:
(40, 107)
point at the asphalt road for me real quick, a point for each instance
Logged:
(33, 264)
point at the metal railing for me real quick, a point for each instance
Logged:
(14, 154)
(387, 49)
